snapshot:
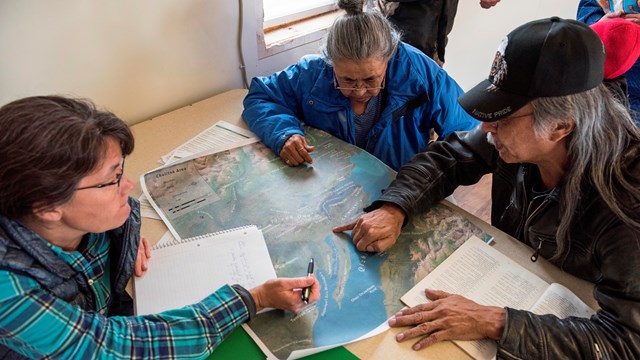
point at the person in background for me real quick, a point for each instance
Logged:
(367, 88)
(565, 159)
(425, 24)
(70, 241)
(590, 12)
(621, 39)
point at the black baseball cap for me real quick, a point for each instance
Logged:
(542, 58)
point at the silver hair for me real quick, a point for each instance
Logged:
(359, 35)
(602, 146)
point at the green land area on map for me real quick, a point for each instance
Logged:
(296, 208)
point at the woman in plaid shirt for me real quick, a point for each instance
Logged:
(69, 242)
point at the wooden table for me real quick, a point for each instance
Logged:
(158, 136)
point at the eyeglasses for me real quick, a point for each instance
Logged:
(100, 186)
(374, 88)
(504, 120)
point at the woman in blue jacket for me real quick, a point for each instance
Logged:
(366, 88)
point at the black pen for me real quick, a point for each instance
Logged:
(305, 291)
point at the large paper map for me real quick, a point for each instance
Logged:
(296, 209)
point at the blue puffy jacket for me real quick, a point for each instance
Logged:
(419, 95)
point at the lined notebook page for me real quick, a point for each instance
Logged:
(183, 272)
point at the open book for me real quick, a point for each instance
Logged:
(183, 272)
(486, 276)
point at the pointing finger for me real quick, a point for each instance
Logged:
(345, 227)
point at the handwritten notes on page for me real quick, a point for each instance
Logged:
(183, 272)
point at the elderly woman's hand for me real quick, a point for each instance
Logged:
(296, 151)
(144, 254)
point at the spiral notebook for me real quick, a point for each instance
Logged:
(185, 271)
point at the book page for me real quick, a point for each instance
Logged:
(561, 302)
(486, 276)
(482, 274)
(184, 272)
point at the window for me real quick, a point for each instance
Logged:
(280, 12)
(284, 25)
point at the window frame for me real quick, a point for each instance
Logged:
(282, 15)
(297, 35)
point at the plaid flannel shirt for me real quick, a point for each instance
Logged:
(36, 324)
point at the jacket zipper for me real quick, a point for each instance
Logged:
(536, 254)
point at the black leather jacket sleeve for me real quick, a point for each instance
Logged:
(462, 159)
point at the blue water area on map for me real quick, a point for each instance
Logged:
(362, 291)
(370, 172)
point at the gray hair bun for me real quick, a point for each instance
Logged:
(352, 7)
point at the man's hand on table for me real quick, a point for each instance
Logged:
(448, 317)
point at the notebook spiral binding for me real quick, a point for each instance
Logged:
(200, 237)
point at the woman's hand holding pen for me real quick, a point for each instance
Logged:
(284, 293)
(296, 151)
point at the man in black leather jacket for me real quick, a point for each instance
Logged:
(565, 159)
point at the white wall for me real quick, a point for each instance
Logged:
(139, 58)
(142, 58)
(477, 32)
